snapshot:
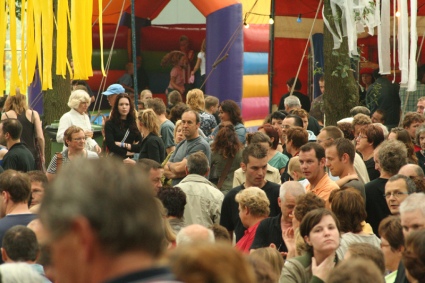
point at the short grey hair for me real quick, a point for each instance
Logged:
(292, 187)
(292, 101)
(413, 202)
(411, 187)
(76, 97)
(197, 163)
(19, 272)
(194, 233)
(116, 200)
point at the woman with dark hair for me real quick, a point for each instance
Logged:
(349, 207)
(229, 111)
(403, 136)
(320, 231)
(121, 129)
(275, 158)
(369, 137)
(225, 148)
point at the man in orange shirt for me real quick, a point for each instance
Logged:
(312, 161)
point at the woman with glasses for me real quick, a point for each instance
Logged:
(392, 245)
(226, 148)
(75, 141)
(121, 129)
(369, 137)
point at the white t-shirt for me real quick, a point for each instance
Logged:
(201, 55)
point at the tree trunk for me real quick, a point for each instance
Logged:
(341, 91)
(55, 100)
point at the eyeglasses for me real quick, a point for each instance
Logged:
(394, 194)
(361, 137)
(79, 139)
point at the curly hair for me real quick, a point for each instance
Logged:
(272, 133)
(172, 58)
(230, 107)
(255, 199)
(131, 116)
(195, 100)
(226, 142)
(361, 119)
(78, 96)
(349, 207)
(173, 199)
(306, 203)
(392, 156)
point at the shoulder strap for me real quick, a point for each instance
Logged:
(225, 172)
(5, 113)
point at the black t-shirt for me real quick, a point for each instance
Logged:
(230, 213)
(269, 231)
(371, 171)
(376, 205)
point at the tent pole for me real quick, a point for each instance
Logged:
(134, 53)
(271, 56)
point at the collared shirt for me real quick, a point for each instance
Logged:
(324, 188)
(413, 97)
(246, 241)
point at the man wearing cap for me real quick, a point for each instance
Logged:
(413, 104)
(112, 92)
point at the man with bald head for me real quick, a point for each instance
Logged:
(412, 170)
(194, 233)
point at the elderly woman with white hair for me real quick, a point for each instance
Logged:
(79, 102)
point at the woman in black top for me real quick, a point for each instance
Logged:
(121, 129)
(152, 146)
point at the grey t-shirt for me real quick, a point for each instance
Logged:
(186, 148)
(167, 133)
(358, 185)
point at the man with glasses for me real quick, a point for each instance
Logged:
(397, 189)
(75, 141)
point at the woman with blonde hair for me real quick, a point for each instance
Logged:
(16, 107)
(196, 101)
(79, 102)
(152, 146)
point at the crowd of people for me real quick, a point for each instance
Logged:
(180, 191)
